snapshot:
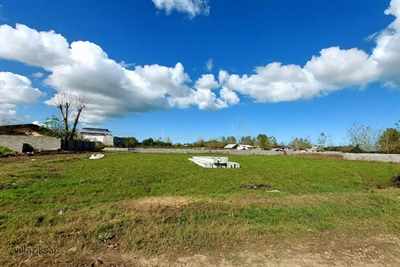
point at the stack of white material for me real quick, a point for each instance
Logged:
(214, 162)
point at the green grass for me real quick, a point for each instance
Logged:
(101, 202)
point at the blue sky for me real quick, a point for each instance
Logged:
(237, 36)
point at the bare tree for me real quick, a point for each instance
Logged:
(363, 136)
(70, 107)
(322, 140)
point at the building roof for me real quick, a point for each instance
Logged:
(97, 131)
(24, 129)
(231, 146)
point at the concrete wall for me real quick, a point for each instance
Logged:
(40, 143)
(395, 158)
(206, 151)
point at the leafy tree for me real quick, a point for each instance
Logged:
(130, 142)
(247, 140)
(389, 141)
(300, 143)
(263, 141)
(273, 141)
(125, 142)
(160, 143)
(230, 140)
(199, 143)
(214, 144)
(55, 125)
(223, 140)
(148, 142)
(397, 125)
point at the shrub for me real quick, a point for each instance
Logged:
(99, 146)
(5, 151)
(125, 142)
(357, 149)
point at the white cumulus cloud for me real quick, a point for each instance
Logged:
(109, 88)
(387, 50)
(113, 89)
(43, 49)
(333, 69)
(190, 7)
(15, 90)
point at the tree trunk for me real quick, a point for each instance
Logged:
(72, 135)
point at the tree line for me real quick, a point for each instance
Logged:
(262, 141)
(361, 138)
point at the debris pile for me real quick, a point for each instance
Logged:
(256, 186)
(214, 162)
(96, 156)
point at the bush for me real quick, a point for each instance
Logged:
(357, 149)
(345, 149)
(125, 142)
(99, 146)
(5, 151)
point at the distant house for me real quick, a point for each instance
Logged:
(245, 147)
(231, 146)
(238, 147)
(40, 138)
(103, 136)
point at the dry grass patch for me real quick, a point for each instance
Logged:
(309, 200)
(156, 203)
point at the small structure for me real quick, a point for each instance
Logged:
(20, 136)
(231, 146)
(314, 149)
(214, 162)
(103, 136)
(239, 147)
(245, 147)
(96, 156)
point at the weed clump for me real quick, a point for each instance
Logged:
(396, 181)
(256, 186)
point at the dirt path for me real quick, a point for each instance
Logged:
(342, 251)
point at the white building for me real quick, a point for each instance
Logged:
(97, 135)
(231, 146)
(239, 147)
(214, 162)
(245, 147)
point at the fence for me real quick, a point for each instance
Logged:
(394, 158)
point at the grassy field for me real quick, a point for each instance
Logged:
(148, 208)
